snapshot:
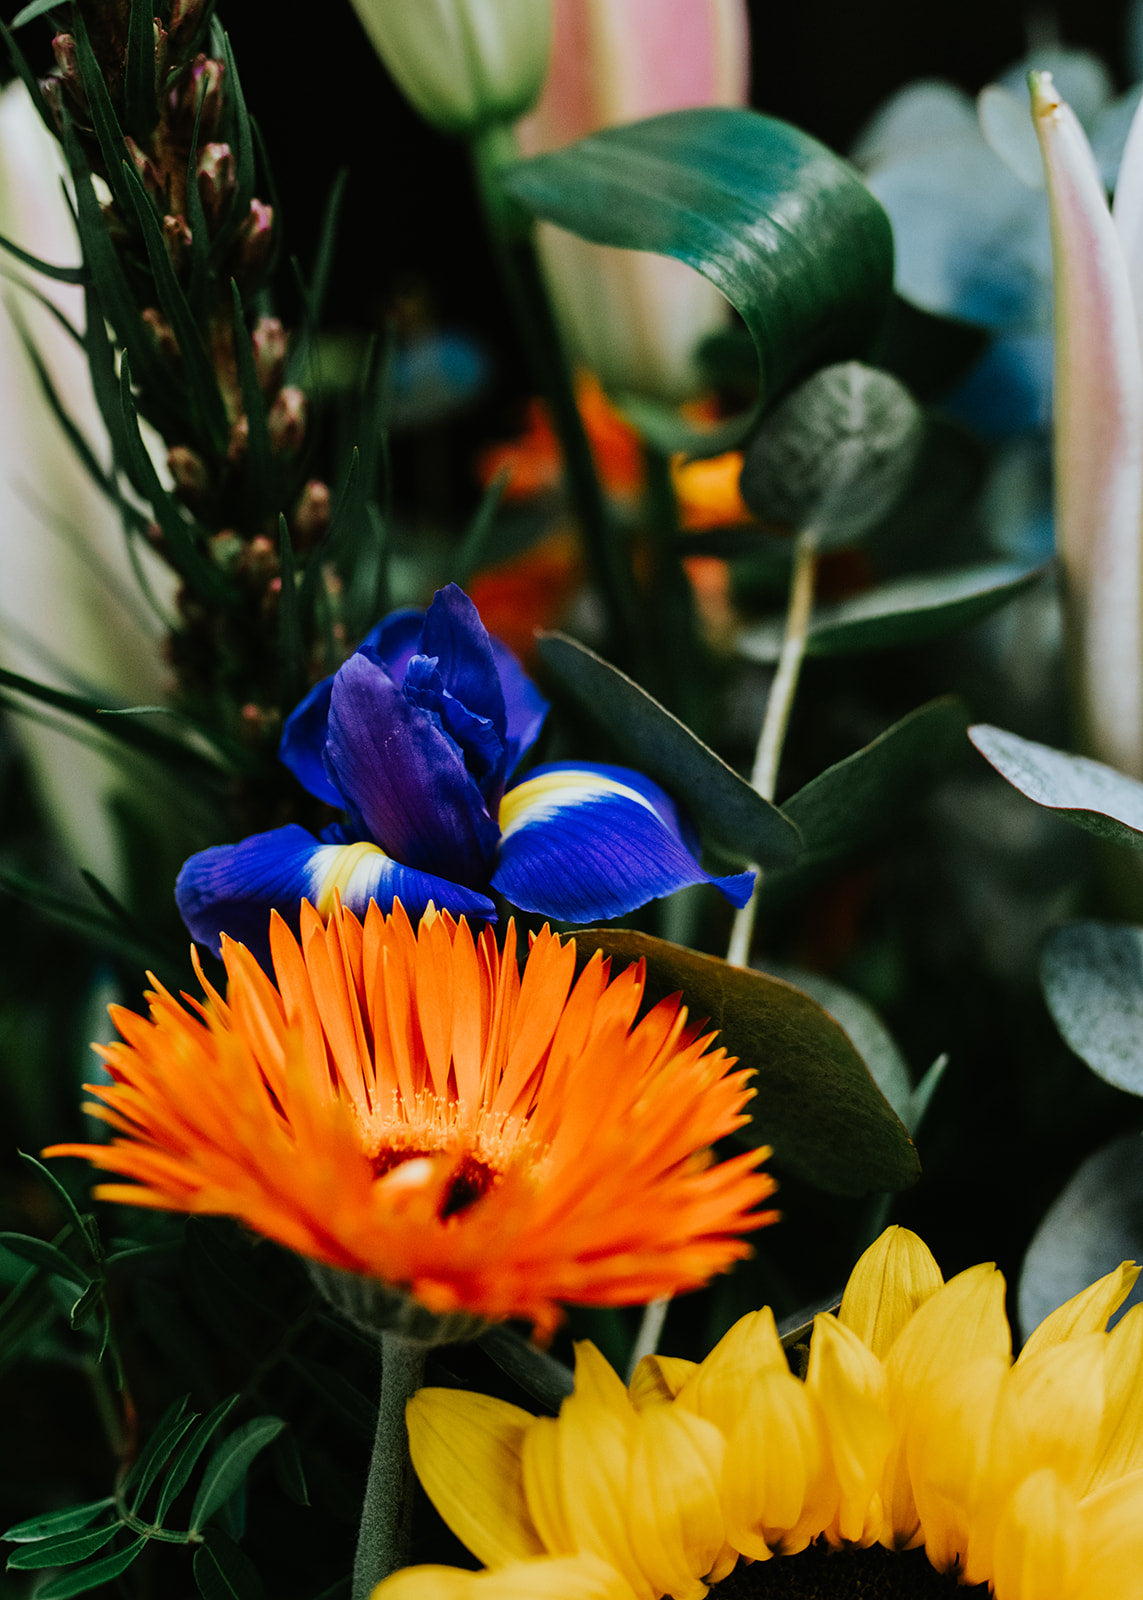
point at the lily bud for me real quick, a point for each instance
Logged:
(632, 318)
(464, 64)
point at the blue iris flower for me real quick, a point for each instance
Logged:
(414, 740)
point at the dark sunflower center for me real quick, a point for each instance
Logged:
(820, 1573)
(470, 1178)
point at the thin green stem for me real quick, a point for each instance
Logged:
(777, 718)
(516, 258)
(387, 1515)
(650, 1332)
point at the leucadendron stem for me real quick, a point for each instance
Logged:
(779, 705)
(387, 1514)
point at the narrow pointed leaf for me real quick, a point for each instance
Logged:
(229, 1465)
(816, 1102)
(549, 1381)
(189, 1453)
(24, 71)
(166, 1432)
(1085, 792)
(724, 806)
(1092, 976)
(66, 1204)
(42, 1254)
(784, 228)
(223, 1571)
(102, 112)
(904, 611)
(57, 1522)
(81, 1579)
(856, 802)
(62, 1551)
(139, 99)
(291, 665)
(49, 270)
(38, 8)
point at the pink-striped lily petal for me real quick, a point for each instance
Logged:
(1099, 440)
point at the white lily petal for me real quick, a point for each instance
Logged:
(1099, 440)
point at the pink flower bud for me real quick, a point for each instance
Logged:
(287, 422)
(270, 341)
(216, 180)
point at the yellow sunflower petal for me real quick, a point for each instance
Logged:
(778, 1489)
(947, 1443)
(594, 1454)
(467, 1450)
(548, 1578)
(657, 1379)
(891, 1281)
(1112, 1525)
(597, 1380)
(1121, 1440)
(1038, 1542)
(673, 1509)
(1086, 1312)
(714, 1390)
(849, 1384)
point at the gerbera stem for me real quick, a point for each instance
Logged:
(387, 1515)
(777, 718)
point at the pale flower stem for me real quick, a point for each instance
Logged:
(779, 705)
(650, 1331)
(387, 1515)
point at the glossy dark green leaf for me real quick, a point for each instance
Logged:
(905, 611)
(1093, 1225)
(835, 455)
(859, 800)
(57, 1522)
(61, 1551)
(1092, 975)
(81, 1579)
(1095, 797)
(228, 1466)
(155, 1453)
(783, 227)
(725, 807)
(189, 1453)
(223, 1571)
(816, 1102)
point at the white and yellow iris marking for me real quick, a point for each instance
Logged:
(540, 798)
(334, 868)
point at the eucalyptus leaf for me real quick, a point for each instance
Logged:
(1095, 797)
(1092, 975)
(1094, 1223)
(724, 806)
(226, 1471)
(816, 1102)
(868, 1034)
(856, 802)
(903, 611)
(835, 455)
(783, 227)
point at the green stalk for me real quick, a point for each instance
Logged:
(779, 705)
(519, 266)
(387, 1515)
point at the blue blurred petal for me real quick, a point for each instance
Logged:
(525, 706)
(403, 780)
(583, 843)
(231, 888)
(395, 640)
(303, 740)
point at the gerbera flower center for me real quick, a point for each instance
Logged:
(821, 1573)
(435, 1143)
(470, 1179)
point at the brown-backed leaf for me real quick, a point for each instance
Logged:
(816, 1103)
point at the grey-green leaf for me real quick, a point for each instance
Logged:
(903, 611)
(229, 1465)
(816, 1102)
(835, 455)
(783, 227)
(726, 808)
(1092, 974)
(1086, 792)
(1093, 1225)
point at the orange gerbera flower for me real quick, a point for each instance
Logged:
(405, 1105)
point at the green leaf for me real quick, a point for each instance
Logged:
(816, 1102)
(87, 1302)
(859, 800)
(229, 1465)
(1092, 975)
(784, 228)
(1095, 797)
(66, 1203)
(27, 76)
(291, 658)
(38, 8)
(835, 455)
(549, 1381)
(56, 1522)
(189, 1453)
(102, 112)
(139, 99)
(867, 1033)
(61, 1552)
(724, 806)
(167, 1431)
(474, 547)
(241, 140)
(904, 611)
(1093, 1225)
(49, 270)
(81, 1579)
(259, 465)
(223, 1571)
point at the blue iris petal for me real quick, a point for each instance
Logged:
(303, 740)
(525, 706)
(583, 842)
(363, 874)
(404, 783)
(232, 887)
(455, 635)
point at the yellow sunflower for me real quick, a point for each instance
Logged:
(913, 1457)
(406, 1107)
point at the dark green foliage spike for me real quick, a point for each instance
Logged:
(140, 102)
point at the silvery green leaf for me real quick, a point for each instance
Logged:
(1092, 974)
